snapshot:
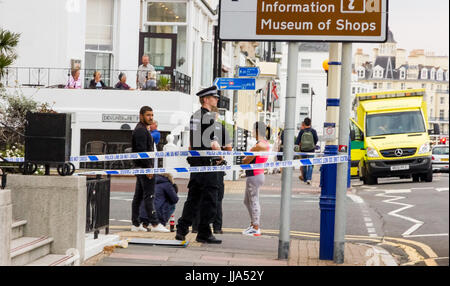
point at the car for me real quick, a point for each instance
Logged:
(439, 157)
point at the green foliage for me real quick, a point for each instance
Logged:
(164, 83)
(8, 43)
(13, 111)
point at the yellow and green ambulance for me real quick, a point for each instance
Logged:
(389, 137)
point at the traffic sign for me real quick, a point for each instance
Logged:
(304, 20)
(249, 71)
(235, 83)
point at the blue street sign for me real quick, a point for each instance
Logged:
(235, 83)
(249, 71)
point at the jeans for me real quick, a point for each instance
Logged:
(145, 191)
(307, 170)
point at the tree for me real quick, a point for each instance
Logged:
(8, 43)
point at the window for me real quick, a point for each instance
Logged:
(305, 63)
(442, 100)
(389, 85)
(395, 123)
(97, 61)
(440, 75)
(99, 25)
(353, 90)
(433, 74)
(375, 85)
(402, 73)
(380, 85)
(402, 86)
(305, 88)
(174, 12)
(441, 114)
(424, 85)
(361, 73)
(424, 74)
(207, 49)
(304, 112)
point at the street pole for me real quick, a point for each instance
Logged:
(342, 169)
(235, 109)
(329, 172)
(288, 152)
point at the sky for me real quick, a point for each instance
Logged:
(418, 24)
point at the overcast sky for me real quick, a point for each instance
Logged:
(418, 24)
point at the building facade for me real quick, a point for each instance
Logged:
(392, 69)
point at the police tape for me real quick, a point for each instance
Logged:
(208, 169)
(164, 154)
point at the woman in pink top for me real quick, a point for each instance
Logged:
(74, 80)
(255, 179)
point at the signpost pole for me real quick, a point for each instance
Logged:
(342, 169)
(328, 172)
(284, 239)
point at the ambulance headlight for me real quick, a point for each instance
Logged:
(372, 153)
(425, 148)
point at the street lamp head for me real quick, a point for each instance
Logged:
(325, 65)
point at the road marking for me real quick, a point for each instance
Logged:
(425, 188)
(394, 213)
(442, 189)
(355, 198)
(404, 191)
(369, 224)
(427, 235)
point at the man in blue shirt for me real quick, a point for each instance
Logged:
(307, 140)
(155, 133)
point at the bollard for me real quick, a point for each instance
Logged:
(328, 205)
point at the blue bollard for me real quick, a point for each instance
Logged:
(327, 205)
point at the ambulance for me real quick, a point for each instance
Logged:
(389, 137)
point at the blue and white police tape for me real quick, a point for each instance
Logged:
(208, 169)
(151, 155)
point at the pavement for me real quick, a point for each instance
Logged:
(236, 249)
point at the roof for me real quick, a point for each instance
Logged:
(390, 38)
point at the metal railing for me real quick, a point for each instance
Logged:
(438, 119)
(59, 78)
(97, 208)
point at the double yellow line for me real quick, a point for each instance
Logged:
(405, 244)
(410, 247)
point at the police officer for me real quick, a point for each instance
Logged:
(203, 187)
(225, 142)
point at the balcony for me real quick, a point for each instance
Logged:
(438, 120)
(442, 91)
(59, 77)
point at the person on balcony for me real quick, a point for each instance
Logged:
(96, 82)
(74, 79)
(150, 83)
(142, 72)
(122, 84)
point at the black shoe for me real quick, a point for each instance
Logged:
(180, 237)
(211, 239)
(218, 231)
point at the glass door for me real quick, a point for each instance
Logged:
(162, 50)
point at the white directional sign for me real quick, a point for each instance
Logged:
(304, 20)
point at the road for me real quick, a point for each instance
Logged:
(412, 217)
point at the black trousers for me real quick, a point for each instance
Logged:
(145, 190)
(217, 221)
(202, 199)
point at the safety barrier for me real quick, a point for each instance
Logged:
(244, 167)
(151, 155)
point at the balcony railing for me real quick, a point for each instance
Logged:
(59, 77)
(438, 119)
